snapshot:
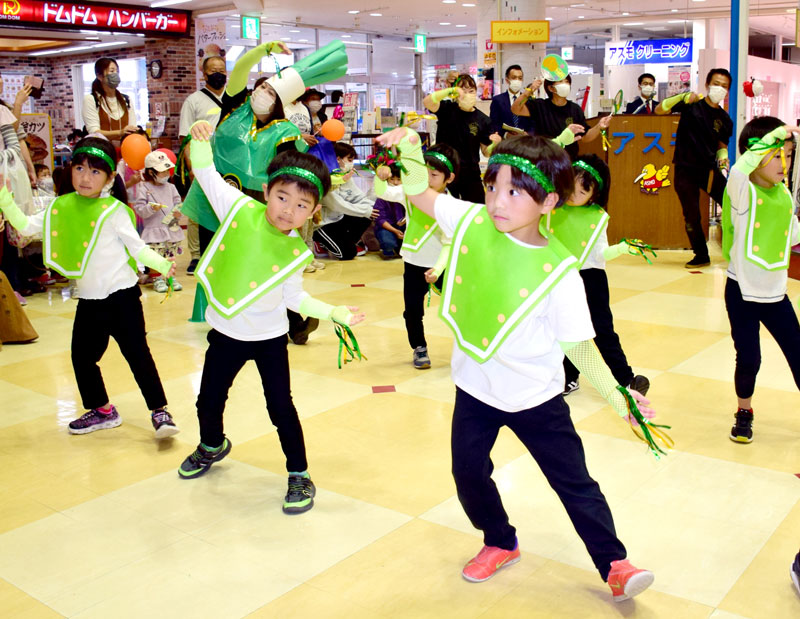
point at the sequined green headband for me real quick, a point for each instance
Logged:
(442, 159)
(301, 173)
(587, 168)
(525, 166)
(96, 152)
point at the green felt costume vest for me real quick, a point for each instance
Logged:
(578, 228)
(493, 282)
(72, 225)
(767, 242)
(247, 258)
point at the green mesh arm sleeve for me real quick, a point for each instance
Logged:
(751, 159)
(380, 186)
(415, 172)
(441, 261)
(326, 64)
(565, 139)
(722, 154)
(151, 259)
(200, 155)
(670, 102)
(615, 251)
(585, 356)
(237, 81)
(319, 309)
(445, 93)
(10, 210)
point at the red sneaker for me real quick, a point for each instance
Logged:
(626, 580)
(488, 561)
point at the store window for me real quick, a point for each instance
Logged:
(133, 72)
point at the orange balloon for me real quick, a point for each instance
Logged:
(332, 129)
(134, 149)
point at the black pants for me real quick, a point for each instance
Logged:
(468, 186)
(205, 235)
(746, 318)
(415, 288)
(224, 358)
(547, 431)
(688, 183)
(595, 281)
(340, 237)
(119, 316)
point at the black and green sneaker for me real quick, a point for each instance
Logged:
(300, 496)
(201, 459)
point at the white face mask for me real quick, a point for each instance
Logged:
(467, 101)
(347, 166)
(647, 91)
(563, 89)
(515, 85)
(717, 93)
(162, 181)
(315, 106)
(45, 184)
(262, 101)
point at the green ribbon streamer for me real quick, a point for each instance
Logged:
(644, 423)
(349, 349)
(641, 247)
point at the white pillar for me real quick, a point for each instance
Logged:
(528, 56)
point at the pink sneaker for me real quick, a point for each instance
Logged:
(626, 580)
(488, 561)
(20, 298)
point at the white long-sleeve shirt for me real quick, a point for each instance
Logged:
(91, 116)
(265, 318)
(346, 199)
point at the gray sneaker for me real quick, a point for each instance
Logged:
(571, 387)
(421, 359)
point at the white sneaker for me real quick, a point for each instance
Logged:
(160, 285)
(318, 265)
(176, 285)
(309, 268)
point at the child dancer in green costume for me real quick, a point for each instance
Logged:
(581, 225)
(515, 303)
(425, 249)
(90, 236)
(759, 228)
(252, 272)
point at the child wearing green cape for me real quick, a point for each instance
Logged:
(515, 302)
(252, 273)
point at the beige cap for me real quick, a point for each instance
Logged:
(158, 161)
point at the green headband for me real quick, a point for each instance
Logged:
(525, 166)
(96, 152)
(442, 159)
(301, 173)
(587, 168)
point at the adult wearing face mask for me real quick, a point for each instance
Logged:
(500, 112)
(467, 130)
(646, 103)
(203, 104)
(312, 99)
(105, 109)
(551, 116)
(701, 152)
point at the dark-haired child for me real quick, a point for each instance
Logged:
(346, 212)
(89, 236)
(252, 272)
(759, 227)
(581, 225)
(390, 225)
(515, 302)
(425, 249)
(156, 201)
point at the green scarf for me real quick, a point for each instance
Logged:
(578, 228)
(241, 154)
(247, 258)
(493, 282)
(767, 242)
(72, 225)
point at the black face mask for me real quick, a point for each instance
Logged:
(216, 80)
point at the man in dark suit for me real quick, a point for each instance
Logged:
(500, 110)
(646, 103)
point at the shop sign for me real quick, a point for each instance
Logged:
(251, 27)
(671, 51)
(654, 136)
(40, 137)
(93, 16)
(420, 43)
(521, 31)
(652, 179)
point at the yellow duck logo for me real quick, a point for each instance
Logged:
(651, 180)
(11, 7)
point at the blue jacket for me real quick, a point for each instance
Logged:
(500, 112)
